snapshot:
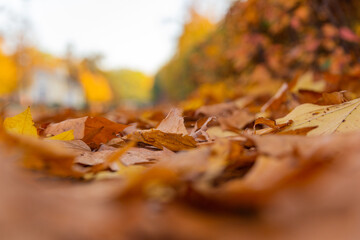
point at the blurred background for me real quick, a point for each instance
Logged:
(90, 53)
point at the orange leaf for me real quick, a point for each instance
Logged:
(100, 130)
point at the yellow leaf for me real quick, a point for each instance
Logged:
(64, 136)
(338, 118)
(21, 124)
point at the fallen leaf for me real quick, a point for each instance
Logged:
(92, 130)
(173, 123)
(95, 162)
(99, 130)
(217, 161)
(75, 146)
(171, 134)
(77, 125)
(339, 118)
(131, 157)
(277, 100)
(308, 96)
(334, 98)
(237, 120)
(200, 133)
(216, 109)
(218, 132)
(300, 131)
(307, 82)
(21, 124)
(43, 155)
(65, 136)
(159, 139)
(116, 142)
(142, 155)
(274, 126)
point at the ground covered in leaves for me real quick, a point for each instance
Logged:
(218, 171)
(266, 150)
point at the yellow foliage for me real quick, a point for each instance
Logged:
(219, 92)
(96, 87)
(8, 75)
(131, 85)
(170, 76)
(194, 31)
(21, 124)
(192, 104)
(208, 93)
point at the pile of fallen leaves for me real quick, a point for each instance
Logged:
(280, 168)
(275, 156)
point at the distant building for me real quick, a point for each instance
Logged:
(54, 87)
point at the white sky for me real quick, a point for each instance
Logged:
(137, 34)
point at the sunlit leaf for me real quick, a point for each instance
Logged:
(21, 124)
(65, 136)
(338, 118)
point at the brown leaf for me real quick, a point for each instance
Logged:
(173, 123)
(308, 96)
(113, 157)
(92, 130)
(142, 155)
(77, 124)
(172, 141)
(199, 132)
(274, 127)
(277, 100)
(75, 146)
(237, 120)
(99, 130)
(333, 98)
(300, 131)
(89, 158)
(216, 109)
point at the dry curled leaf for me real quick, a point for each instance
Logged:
(172, 141)
(274, 126)
(334, 98)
